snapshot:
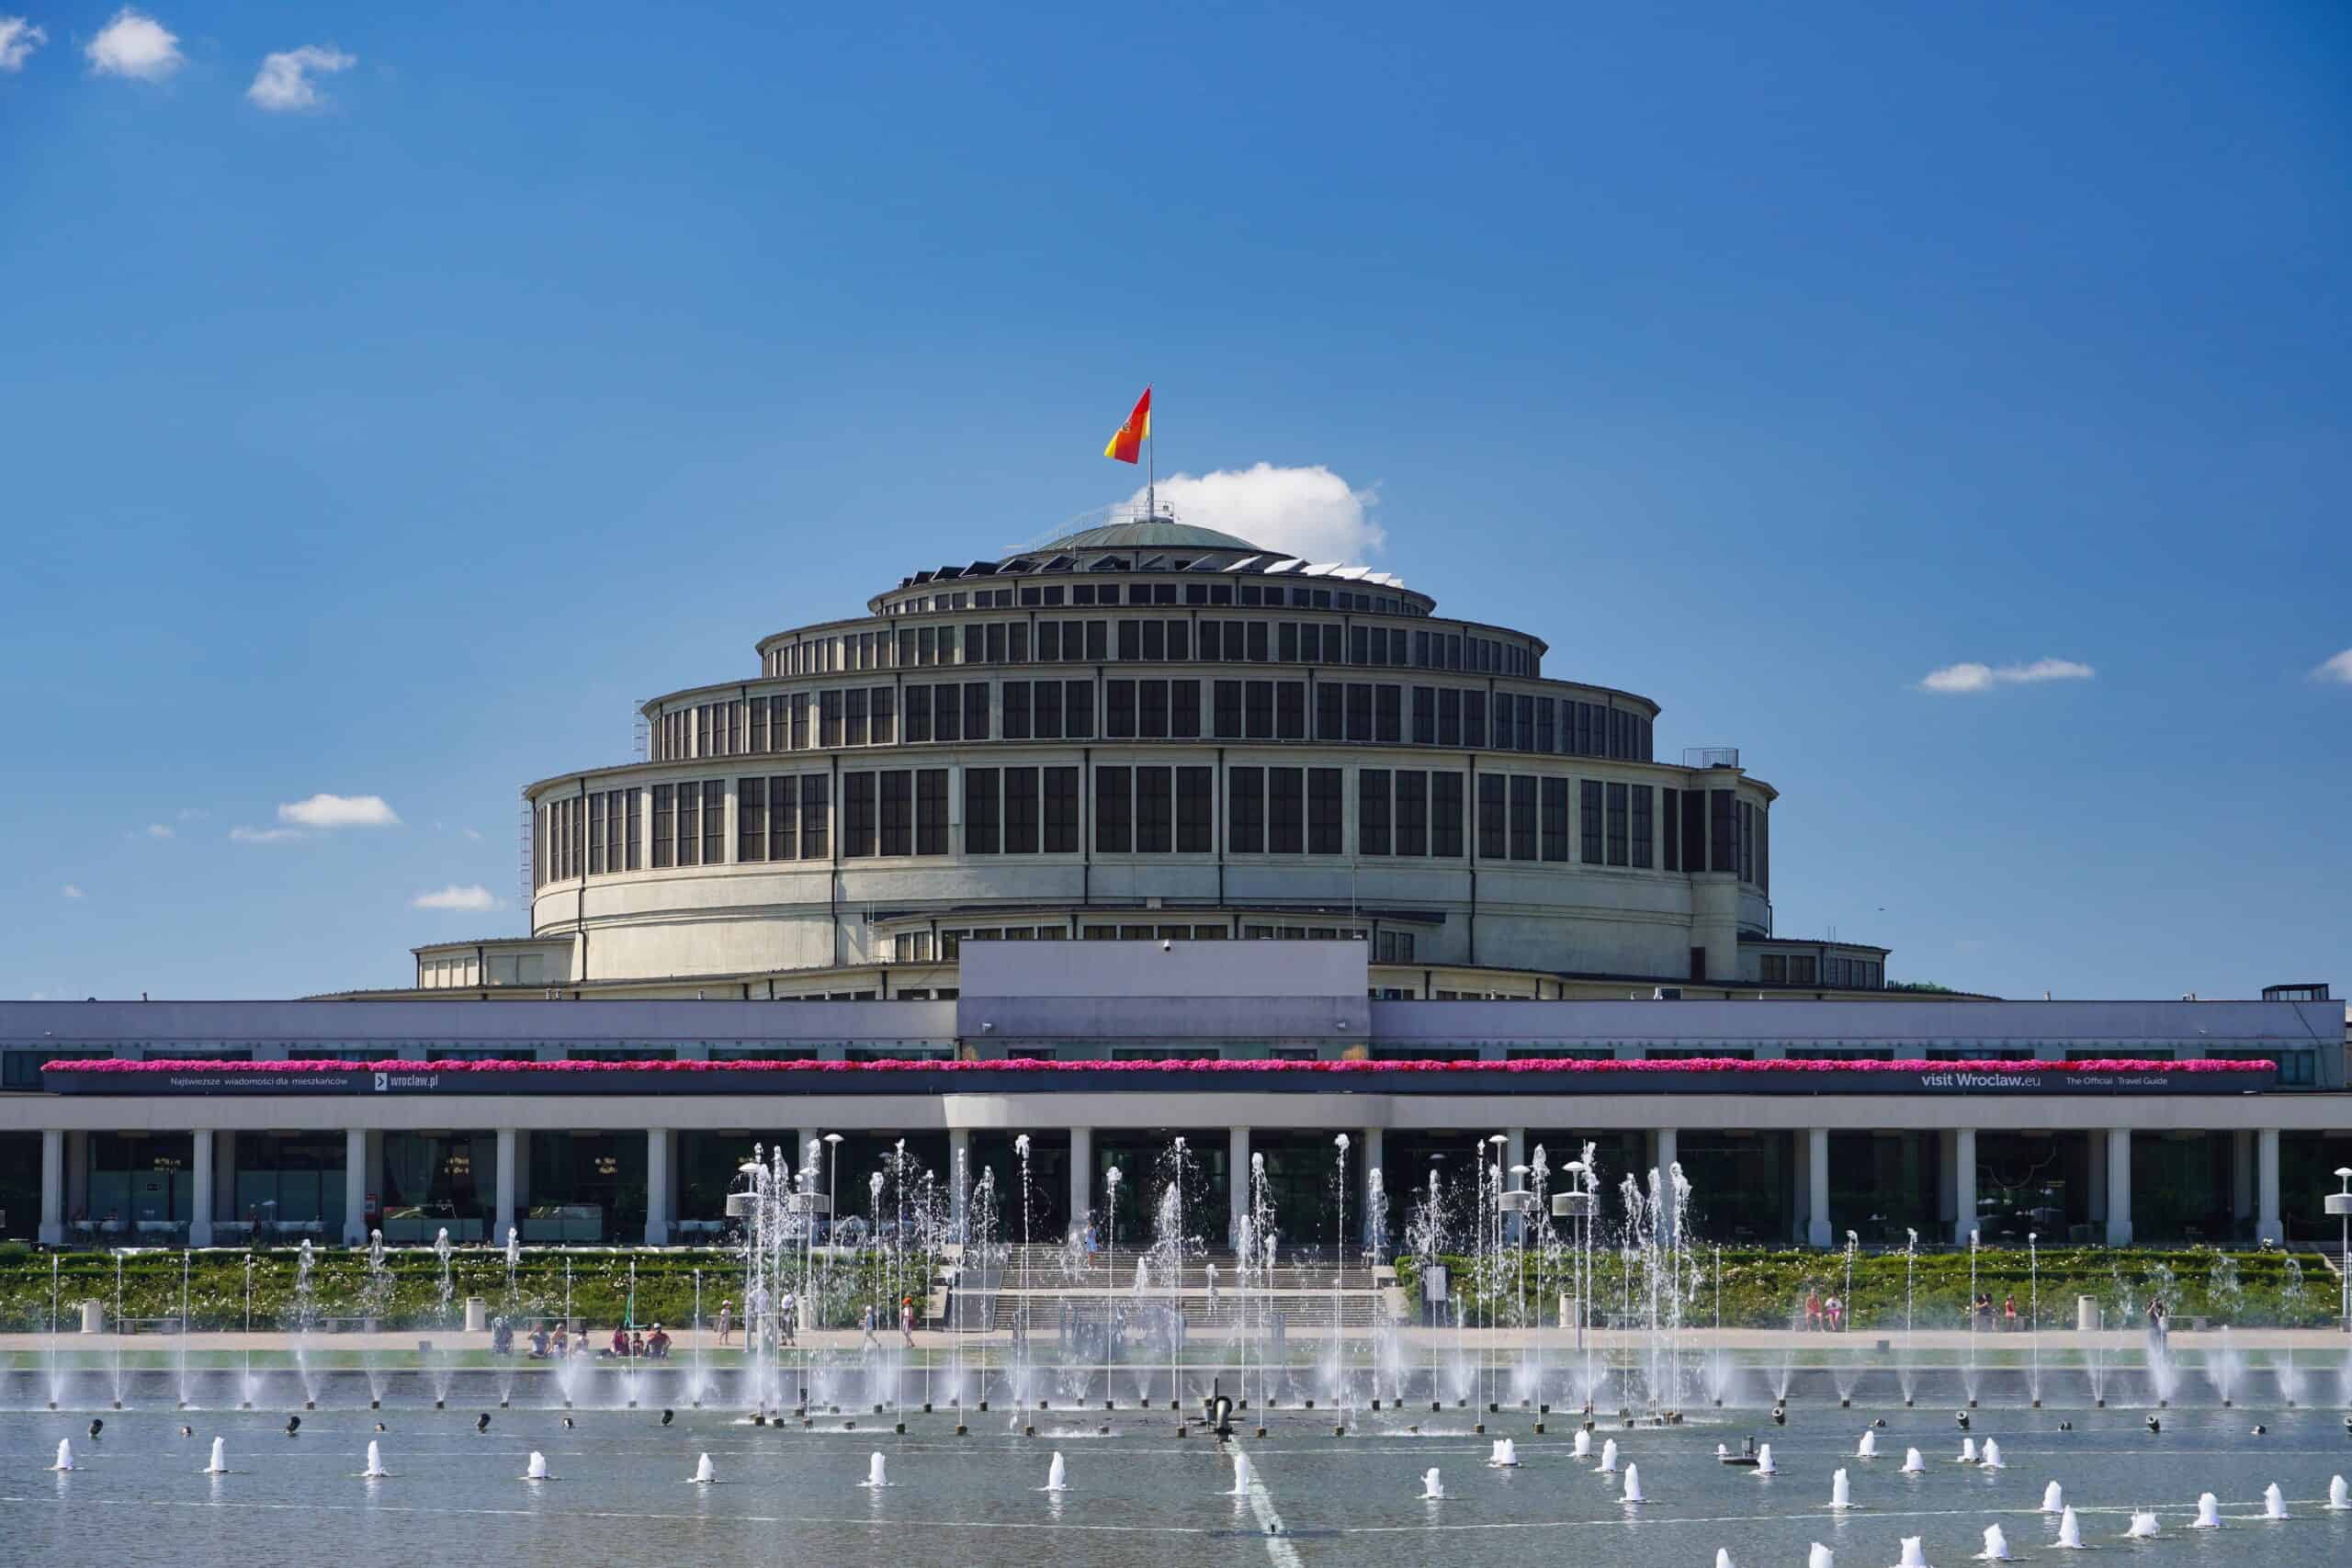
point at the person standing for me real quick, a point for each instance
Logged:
(907, 1319)
(726, 1320)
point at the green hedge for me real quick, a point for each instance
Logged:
(151, 1287)
(1768, 1289)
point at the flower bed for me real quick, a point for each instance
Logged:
(1735, 1065)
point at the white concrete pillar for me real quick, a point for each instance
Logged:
(1816, 1179)
(201, 1166)
(1081, 1176)
(959, 1177)
(1963, 1184)
(2267, 1225)
(1370, 1147)
(2119, 1187)
(53, 1187)
(1665, 1150)
(502, 1213)
(657, 1187)
(1236, 1191)
(358, 1176)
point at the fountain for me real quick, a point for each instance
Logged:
(2053, 1499)
(538, 1469)
(1868, 1447)
(1608, 1455)
(2339, 1497)
(877, 1472)
(2274, 1504)
(1997, 1546)
(1912, 1464)
(219, 1463)
(2144, 1526)
(448, 1292)
(1057, 1475)
(1764, 1465)
(2209, 1513)
(1820, 1556)
(1968, 1450)
(1722, 1558)
(1841, 1495)
(1241, 1476)
(1582, 1446)
(705, 1473)
(1632, 1484)
(1912, 1556)
(1992, 1460)
(65, 1455)
(2069, 1531)
(1432, 1489)
(1504, 1455)
(375, 1471)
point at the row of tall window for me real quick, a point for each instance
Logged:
(1130, 708)
(1046, 595)
(1149, 809)
(1808, 969)
(1152, 639)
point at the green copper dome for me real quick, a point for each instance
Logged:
(1160, 534)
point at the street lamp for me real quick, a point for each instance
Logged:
(1847, 1318)
(2340, 1205)
(2033, 1306)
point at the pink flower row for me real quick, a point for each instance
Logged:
(1208, 1065)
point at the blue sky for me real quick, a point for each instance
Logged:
(386, 420)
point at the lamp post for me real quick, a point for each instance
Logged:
(1972, 1315)
(832, 1191)
(1573, 1207)
(1845, 1319)
(2340, 1205)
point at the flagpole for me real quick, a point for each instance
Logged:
(1151, 473)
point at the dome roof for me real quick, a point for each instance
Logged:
(1158, 534)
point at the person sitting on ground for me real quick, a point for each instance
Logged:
(637, 1346)
(657, 1345)
(538, 1344)
(1813, 1310)
(1836, 1310)
(620, 1342)
(562, 1342)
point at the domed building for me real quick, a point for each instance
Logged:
(1155, 731)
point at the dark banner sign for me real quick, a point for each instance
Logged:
(433, 1080)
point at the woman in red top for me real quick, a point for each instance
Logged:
(620, 1342)
(1813, 1310)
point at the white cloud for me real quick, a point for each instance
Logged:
(340, 811)
(1309, 513)
(263, 835)
(283, 80)
(1970, 677)
(471, 833)
(473, 895)
(18, 39)
(2337, 670)
(158, 830)
(135, 45)
(70, 891)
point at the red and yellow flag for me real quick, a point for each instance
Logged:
(1128, 444)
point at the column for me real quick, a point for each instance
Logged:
(1237, 1192)
(657, 1187)
(502, 1214)
(2267, 1227)
(1668, 1153)
(1081, 1176)
(1371, 1147)
(358, 1176)
(1816, 1176)
(1963, 1184)
(2119, 1187)
(200, 1165)
(53, 1187)
(960, 1163)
